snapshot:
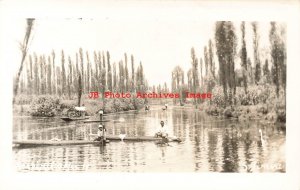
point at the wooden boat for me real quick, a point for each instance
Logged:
(94, 121)
(82, 142)
(74, 118)
(75, 113)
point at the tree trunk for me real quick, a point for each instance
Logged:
(24, 49)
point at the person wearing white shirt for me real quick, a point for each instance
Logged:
(162, 132)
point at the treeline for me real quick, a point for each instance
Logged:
(203, 75)
(63, 75)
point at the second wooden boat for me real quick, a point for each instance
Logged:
(74, 118)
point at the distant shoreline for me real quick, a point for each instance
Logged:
(198, 95)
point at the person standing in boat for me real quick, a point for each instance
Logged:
(101, 133)
(162, 132)
(101, 112)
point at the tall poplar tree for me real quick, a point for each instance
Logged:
(63, 73)
(244, 57)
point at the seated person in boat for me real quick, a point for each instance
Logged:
(101, 134)
(162, 131)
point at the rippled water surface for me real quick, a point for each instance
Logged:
(209, 144)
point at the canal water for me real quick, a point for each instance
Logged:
(209, 144)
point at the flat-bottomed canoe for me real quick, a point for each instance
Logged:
(82, 142)
(93, 121)
(73, 118)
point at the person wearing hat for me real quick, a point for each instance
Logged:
(101, 133)
(162, 132)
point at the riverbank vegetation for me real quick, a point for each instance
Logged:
(50, 106)
(247, 78)
(241, 86)
(51, 84)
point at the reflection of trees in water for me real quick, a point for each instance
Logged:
(45, 129)
(230, 154)
(247, 144)
(209, 144)
(212, 148)
(260, 150)
(180, 122)
(80, 158)
(205, 141)
(197, 149)
(20, 128)
(132, 126)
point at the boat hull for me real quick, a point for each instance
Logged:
(95, 121)
(83, 142)
(73, 119)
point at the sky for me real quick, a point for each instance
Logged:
(160, 43)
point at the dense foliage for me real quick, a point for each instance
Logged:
(48, 75)
(44, 106)
(253, 84)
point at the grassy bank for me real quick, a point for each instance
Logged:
(260, 102)
(50, 106)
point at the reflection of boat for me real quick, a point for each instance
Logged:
(81, 142)
(73, 118)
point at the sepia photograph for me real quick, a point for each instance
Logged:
(87, 96)
(162, 89)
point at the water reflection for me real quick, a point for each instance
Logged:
(209, 144)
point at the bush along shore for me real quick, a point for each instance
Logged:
(51, 106)
(260, 102)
